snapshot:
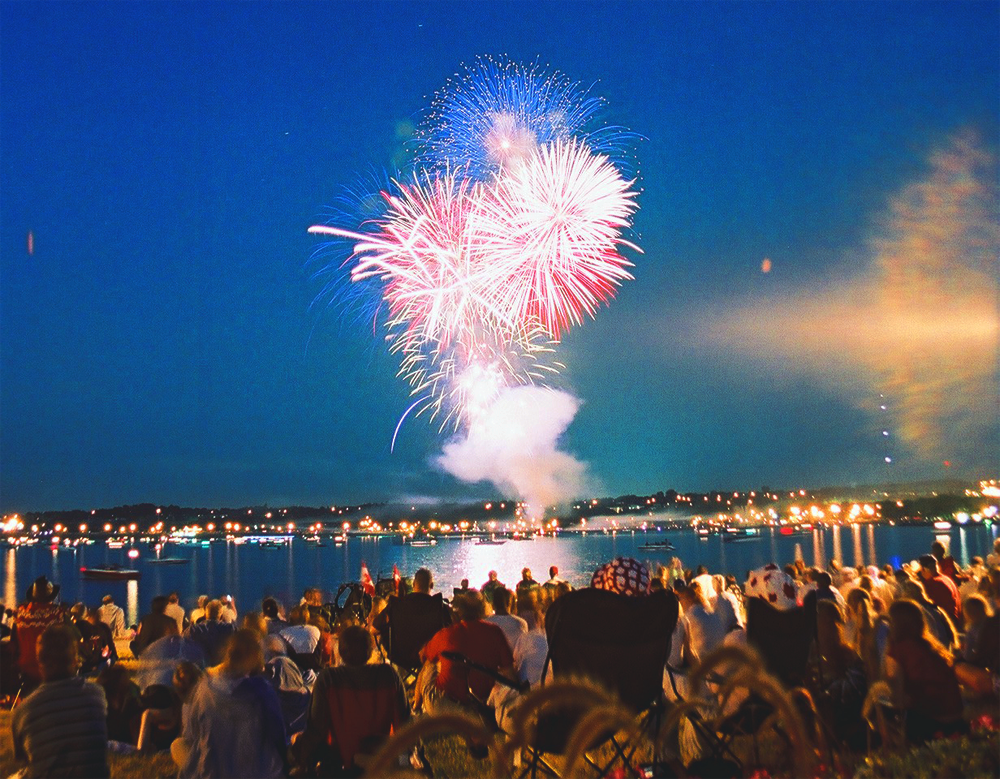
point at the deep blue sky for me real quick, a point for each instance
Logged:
(158, 345)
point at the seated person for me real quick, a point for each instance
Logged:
(61, 728)
(408, 622)
(30, 621)
(210, 634)
(124, 709)
(153, 626)
(232, 724)
(922, 675)
(442, 680)
(511, 625)
(162, 718)
(303, 639)
(355, 707)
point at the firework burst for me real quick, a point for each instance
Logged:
(509, 234)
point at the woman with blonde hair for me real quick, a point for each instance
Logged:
(867, 632)
(922, 675)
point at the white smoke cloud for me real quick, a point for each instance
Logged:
(919, 324)
(514, 444)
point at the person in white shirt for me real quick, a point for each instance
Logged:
(511, 625)
(228, 609)
(175, 611)
(301, 637)
(198, 614)
(113, 616)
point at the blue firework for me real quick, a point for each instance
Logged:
(499, 112)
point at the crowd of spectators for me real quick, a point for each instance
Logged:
(303, 690)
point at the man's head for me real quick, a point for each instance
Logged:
(526, 574)
(355, 645)
(469, 606)
(423, 581)
(938, 550)
(42, 591)
(823, 581)
(928, 566)
(493, 576)
(553, 572)
(269, 608)
(173, 598)
(159, 604)
(107, 599)
(57, 653)
(501, 600)
(213, 610)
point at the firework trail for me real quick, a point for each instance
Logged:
(508, 233)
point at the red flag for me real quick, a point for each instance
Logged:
(395, 579)
(366, 580)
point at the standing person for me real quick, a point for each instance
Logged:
(940, 589)
(175, 611)
(527, 582)
(112, 615)
(30, 622)
(233, 725)
(490, 586)
(946, 563)
(553, 582)
(61, 728)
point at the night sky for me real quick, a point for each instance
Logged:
(159, 343)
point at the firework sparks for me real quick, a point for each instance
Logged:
(509, 233)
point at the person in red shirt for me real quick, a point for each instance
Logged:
(946, 563)
(940, 589)
(923, 676)
(30, 622)
(442, 680)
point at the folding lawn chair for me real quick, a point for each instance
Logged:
(619, 642)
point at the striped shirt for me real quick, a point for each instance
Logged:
(61, 729)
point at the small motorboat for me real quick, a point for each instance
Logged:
(114, 572)
(661, 545)
(490, 541)
(167, 560)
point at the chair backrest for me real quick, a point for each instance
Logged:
(413, 621)
(620, 641)
(782, 637)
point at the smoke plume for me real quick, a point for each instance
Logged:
(514, 444)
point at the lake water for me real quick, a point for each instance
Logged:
(250, 572)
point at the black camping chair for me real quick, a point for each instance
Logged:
(783, 639)
(619, 642)
(405, 625)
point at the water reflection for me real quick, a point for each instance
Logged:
(132, 602)
(871, 545)
(859, 558)
(838, 552)
(963, 548)
(818, 551)
(10, 579)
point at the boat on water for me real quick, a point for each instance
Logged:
(423, 542)
(112, 572)
(167, 560)
(734, 534)
(490, 541)
(662, 545)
